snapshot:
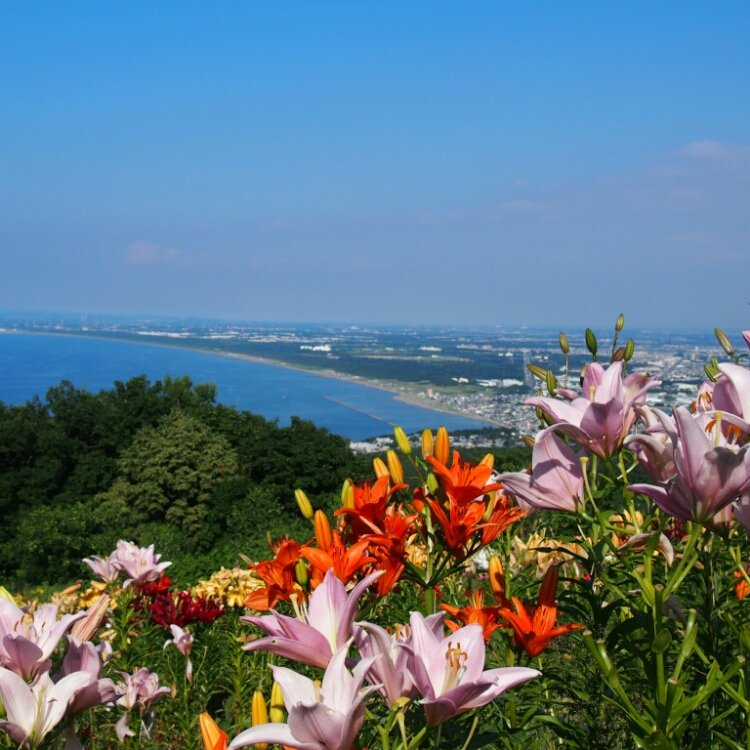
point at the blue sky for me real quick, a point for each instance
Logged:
(537, 163)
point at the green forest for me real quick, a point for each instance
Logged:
(156, 463)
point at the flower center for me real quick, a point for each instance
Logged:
(456, 659)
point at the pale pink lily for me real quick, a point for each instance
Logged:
(138, 689)
(556, 479)
(85, 657)
(746, 337)
(732, 395)
(182, 640)
(140, 564)
(391, 653)
(449, 671)
(655, 445)
(322, 716)
(709, 475)
(27, 641)
(319, 630)
(601, 416)
(33, 711)
(106, 568)
(741, 510)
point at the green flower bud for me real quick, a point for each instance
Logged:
(591, 344)
(564, 346)
(619, 323)
(726, 344)
(629, 350)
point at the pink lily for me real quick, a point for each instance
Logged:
(141, 564)
(33, 711)
(86, 658)
(741, 510)
(27, 642)
(556, 479)
(601, 416)
(732, 395)
(391, 654)
(655, 445)
(322, 716)
(318, 631)
(182, 640)
(106, 568)
(449, 671)
(708, 476)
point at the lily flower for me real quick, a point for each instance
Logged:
(182, 640)
(601, 416)
(26, 641)
(709, 475)
(141, 564)
(464, 481)
(33, 711)
(488, 618)
(106, 568)
(655, 445)
(279, 576)
(535, 627)
(345, 561)
(556, 479)
(322, 716)
(449, 671)
(391, 653)
(84, 657)
(731, 395)
(320, 629)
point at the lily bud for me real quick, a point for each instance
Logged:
(442, 446)
(347, 494)
(214, 738)
(629, 350)
(304, 504)
(529, 441)
(591, 344)
(432, 484)
(427, 444)
(725, 343)
(619, 354)
(488, 460)
(401, 440)
(551, 381)
(380, 469)
(300, 572)
(619, 323)
(538, 372)
(322, 530)
(259, 715)
(564, 345)
(276, 713)
(497, 578)
(394, 467)
(86, 628)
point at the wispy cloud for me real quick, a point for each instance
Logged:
(144, 253)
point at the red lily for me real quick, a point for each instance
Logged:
(370, 504)
(535, 628)
(345, 561)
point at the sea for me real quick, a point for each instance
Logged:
(30, 364)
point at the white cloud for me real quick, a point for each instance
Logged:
(144, 253)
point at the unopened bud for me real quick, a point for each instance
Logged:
(564, 345)
(497, 578)
(300, 572)
(619, 323)
(629, 350)
(488, 460)
(712, 373)
(213, 736)
(442, 446)
(86, 628)
(551, 381)
(529, 441)
(427, 444)
(276, 713)
(347, 494)
(304, 504)
(619, 354)
(725, 343)
(380, 469)
(538, 372)
(259, 710)
(591, 344)
(394, 467)
(402, 441)
(322, 530)
(432, 484)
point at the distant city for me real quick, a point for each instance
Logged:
(480, 373)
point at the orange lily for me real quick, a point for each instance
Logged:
(503, 515)
(535, 628)
(279, 575)
(459, 525)
(464, 481)
(475, 612)
(369, 505)
(214, 738)
(345, 561)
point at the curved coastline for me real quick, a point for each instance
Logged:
(392, 388)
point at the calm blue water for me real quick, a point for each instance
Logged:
(32, 363)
